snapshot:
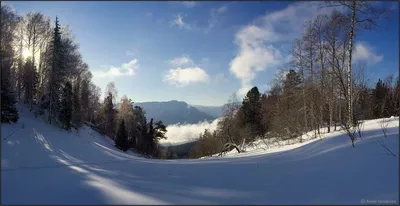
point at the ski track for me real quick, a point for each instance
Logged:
(42, 164)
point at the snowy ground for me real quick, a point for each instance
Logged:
(42, 164)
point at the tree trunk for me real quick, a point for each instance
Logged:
(41, 77)
(227, 145)
(340, 114)
(331, 103)
(335, 127)
(322, 86)
(349, 72)
(40, 72)
(51, 79)
(33, 70)
(305, 108)
(50, 110)
(20, 66)
(312, 89)
(303, 90)
(321, 119)
(332, 98)
(330, 115)
(315, 131)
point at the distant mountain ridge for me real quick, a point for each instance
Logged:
(174, 112)
(214, 111)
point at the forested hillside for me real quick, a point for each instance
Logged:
(42, 66)
(320, 87)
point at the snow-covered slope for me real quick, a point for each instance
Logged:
(42, 164)
(371, 129)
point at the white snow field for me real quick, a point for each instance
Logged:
(42, 164)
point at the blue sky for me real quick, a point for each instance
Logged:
(199, 52)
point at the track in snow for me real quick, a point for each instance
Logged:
(42, 164)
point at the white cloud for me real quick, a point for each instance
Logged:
(256, 51)
(179, 21)
(130, 66)
(222, 9)
(364, 52)
(183, 77)
(215, 13)
(178, 134)
(252, 59)
(180, 61)
(289, 23)
(189, 4)
(254, 56)
(243, 90)
(126, 69)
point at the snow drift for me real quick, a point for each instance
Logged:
(42, 164)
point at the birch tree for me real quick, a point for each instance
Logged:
(363, 15)
(36, 27)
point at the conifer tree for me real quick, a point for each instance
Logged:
(66, 106)
(9, 112)
(379, 97)
(56, 63)
(77, 116)
(84, 99)
(8, 23)
(150, 138)
(121, 140)
(159, 130)
(251, 109)
(139, 117)
(396, 100)
(126, 112)
(109, 112)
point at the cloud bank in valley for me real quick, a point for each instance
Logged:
(179, 134)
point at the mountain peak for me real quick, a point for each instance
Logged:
(174, 112)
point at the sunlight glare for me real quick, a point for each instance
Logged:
(26, 53)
